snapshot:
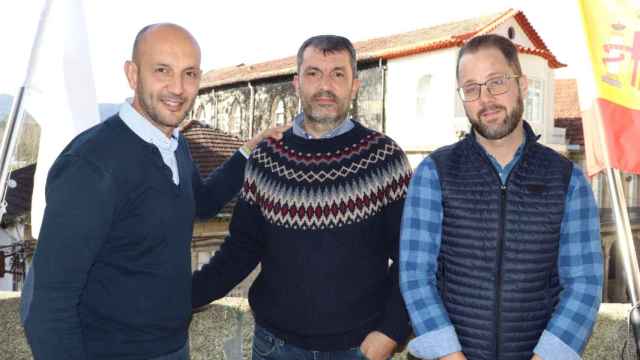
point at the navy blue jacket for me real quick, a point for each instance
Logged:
(497, 271)
(111, 276)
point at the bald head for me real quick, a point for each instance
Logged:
(160, 31)
(164, 73)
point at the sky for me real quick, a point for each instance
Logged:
(250, 31)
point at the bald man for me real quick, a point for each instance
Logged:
(111, 276)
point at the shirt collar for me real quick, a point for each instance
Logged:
(298, 129)
(145, 130)
(504, 172)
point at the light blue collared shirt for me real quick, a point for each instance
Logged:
(298, 130)
(504, 172)
(151, 134)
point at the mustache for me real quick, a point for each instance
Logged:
(174, 98)
(325, 94)
(490, 108)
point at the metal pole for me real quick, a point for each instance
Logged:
(625, 238)
(625, 244)
(8, 146)
(10, 137)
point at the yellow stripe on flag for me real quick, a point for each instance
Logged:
(613, 33)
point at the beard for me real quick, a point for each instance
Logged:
(152, 106)
(507, 125)
(318, 114)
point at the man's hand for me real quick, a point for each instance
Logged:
(454, 356)
(378, 346)
(536, 357)
(274, 133)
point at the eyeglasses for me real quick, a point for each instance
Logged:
(495, 86)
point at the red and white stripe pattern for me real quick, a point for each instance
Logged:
(310, 191)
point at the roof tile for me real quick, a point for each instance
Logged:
(394, 46)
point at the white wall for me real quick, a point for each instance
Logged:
(537, 68)
(403, 76)
(445, 113)
(519, 36)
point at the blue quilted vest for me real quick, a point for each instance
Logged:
(497, 268)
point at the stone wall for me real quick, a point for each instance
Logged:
(219, 107)
(227, 326)
(368, 106)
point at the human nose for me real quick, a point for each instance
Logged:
(325, 83)
(484, 93)
(176, 85)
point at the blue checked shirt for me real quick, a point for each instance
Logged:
(579, 265)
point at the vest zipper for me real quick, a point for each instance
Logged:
(500, 253)
(500, 244)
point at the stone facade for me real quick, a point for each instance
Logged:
(369, 104)
(229, 108)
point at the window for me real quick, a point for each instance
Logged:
(208, 114)
(235, 119)
(209, 110)
(278, 117)
(534, 104)
(422, 97)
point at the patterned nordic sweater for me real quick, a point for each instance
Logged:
(323, 218)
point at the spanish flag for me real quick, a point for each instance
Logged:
(612, 29)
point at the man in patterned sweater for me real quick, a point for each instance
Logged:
(320, 210)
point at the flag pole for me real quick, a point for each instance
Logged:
(625, 245)
(7, 148)
(10, 137)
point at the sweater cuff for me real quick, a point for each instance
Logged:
(396, 326)
(245, 151)
(435, 344)
(237, 161)
(550, 347)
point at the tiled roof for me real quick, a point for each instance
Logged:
(573, 126)
(567, 110)
(394, 46)
(566, 99)
(209, 147)
(19, 198)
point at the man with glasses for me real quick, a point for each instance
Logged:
(500, 253)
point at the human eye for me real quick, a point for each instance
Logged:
(338, 74)
(470, 89)
(499, 81)
(161, 70)
(311, 73)
(193, 74)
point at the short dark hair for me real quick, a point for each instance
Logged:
(504, 45)
(329, 44)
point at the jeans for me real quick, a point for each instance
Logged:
(181, 354)
(268, 347)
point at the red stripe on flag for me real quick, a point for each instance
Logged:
(622, 130)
